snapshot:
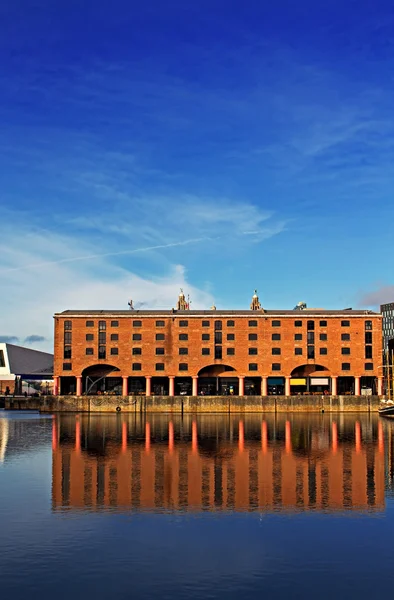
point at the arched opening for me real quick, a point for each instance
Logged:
(101, 379)
(218, 380)
(310, 379)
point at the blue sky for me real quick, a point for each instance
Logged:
(217, 146)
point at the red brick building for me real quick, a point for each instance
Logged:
(209, 352)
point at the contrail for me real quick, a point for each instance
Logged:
(93, 256)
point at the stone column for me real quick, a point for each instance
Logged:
(171, 390)
(148, 386)
(195, 387)
(357, 386)
(264, 386)
(241, 383)
(125, 386)
(380, 386)
(334, 386)
(287, 386)
(79, 385)
(55, 386)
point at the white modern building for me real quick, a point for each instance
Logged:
(21, 367)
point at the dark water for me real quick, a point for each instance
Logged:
(214, 507)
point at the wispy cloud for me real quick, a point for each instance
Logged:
(32, 339)
(382, 295)
(9, 339)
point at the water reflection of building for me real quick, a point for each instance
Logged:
(218, 464)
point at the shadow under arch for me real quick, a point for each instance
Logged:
(93, 375)
(216, 371)
(310, 370)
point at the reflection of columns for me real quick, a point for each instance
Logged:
(241, 382)
(287, 386)
(288, 437)
(79, 385)
(334, 435)
(171, 389)
(124, 436)
(241, 436)
(357, 435)
(147, 437)
(380, 438)
(264, 437)
(147, 386)
(380, 386)
(264, 386)
(55, 386)
(334, 386)
(194, 387)
(170, 436)
(77, 435)
(54, 434)
(125, 386)
(357, 386)
(194, 437)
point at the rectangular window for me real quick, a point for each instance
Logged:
(275, 323)
(205, 351)
(368, 351)
(368, 325)
(218, 337)
(311, 352)
(276, 351)
(183, 323)
(218, 352)
(298, 351)
(183, 351)
(68, 325)
(137, 323)
(183, 337)
(323, 323)
(345, 351)
(368, 337)
(310, 325)
(89, 351)
(252, 337)
(345, 366)
(102, 325)
(183, 367)
(368, 366)
(298, 337)
(276, 366)
(205, 337)
(218, 325)
(160, 337)
(297, 323)
(252, 351)
(310, 336)
(89, 323)
(114, 323)
(159, 366)
(345, 337)
(67, 337)
(323, 351)
(136, 351)
(275, 336)
(230, 337)
(230, 323)
(205, 323)
(102, 337)
(323, 337)
(345, 324)
(89, 337)
(136, 367)
(137, 337)
(67, 352)
(160, 324)
(67, 367)
(102, 352)
(230, 351)
(114, 337)
(252, 366)
(114, 351)
(252, 323)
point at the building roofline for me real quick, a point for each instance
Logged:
(217, 313)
